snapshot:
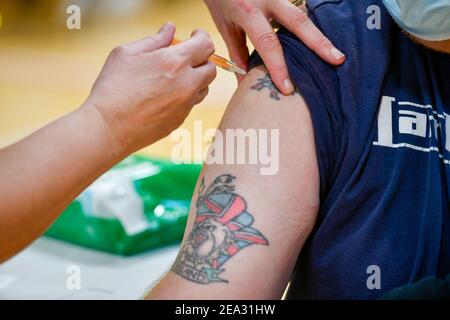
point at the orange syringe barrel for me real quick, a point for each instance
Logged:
(218, 61)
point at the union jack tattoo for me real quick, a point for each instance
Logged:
(222, 228)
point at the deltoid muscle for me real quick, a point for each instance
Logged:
(222, 228)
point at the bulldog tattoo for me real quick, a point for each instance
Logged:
(222, 228)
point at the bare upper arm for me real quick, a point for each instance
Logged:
(246, 228)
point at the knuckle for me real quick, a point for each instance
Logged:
(170, 71)
(268, 41)
(181, 60)
(201, 34)
(300, 17)
(178, 61)
(242, 8)
(118, 51)
(210, 47)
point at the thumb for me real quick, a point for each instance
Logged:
(157, 41)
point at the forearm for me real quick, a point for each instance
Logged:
(43, 173)
(144, 91)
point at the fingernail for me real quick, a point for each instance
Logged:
(288, 86)
(336, 53)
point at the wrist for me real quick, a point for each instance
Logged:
(104, 134)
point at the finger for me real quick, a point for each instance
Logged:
(198, 48)
(160, 40)
(268, 45)
(238, 50)
(204, 74)
(296, 20)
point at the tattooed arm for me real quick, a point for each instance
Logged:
(247, 225)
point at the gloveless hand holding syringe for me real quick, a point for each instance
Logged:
(220, 61)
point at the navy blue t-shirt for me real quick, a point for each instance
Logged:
(382, 132)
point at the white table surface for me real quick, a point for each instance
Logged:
(41, 272)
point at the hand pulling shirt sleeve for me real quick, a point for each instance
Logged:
(382, 130)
